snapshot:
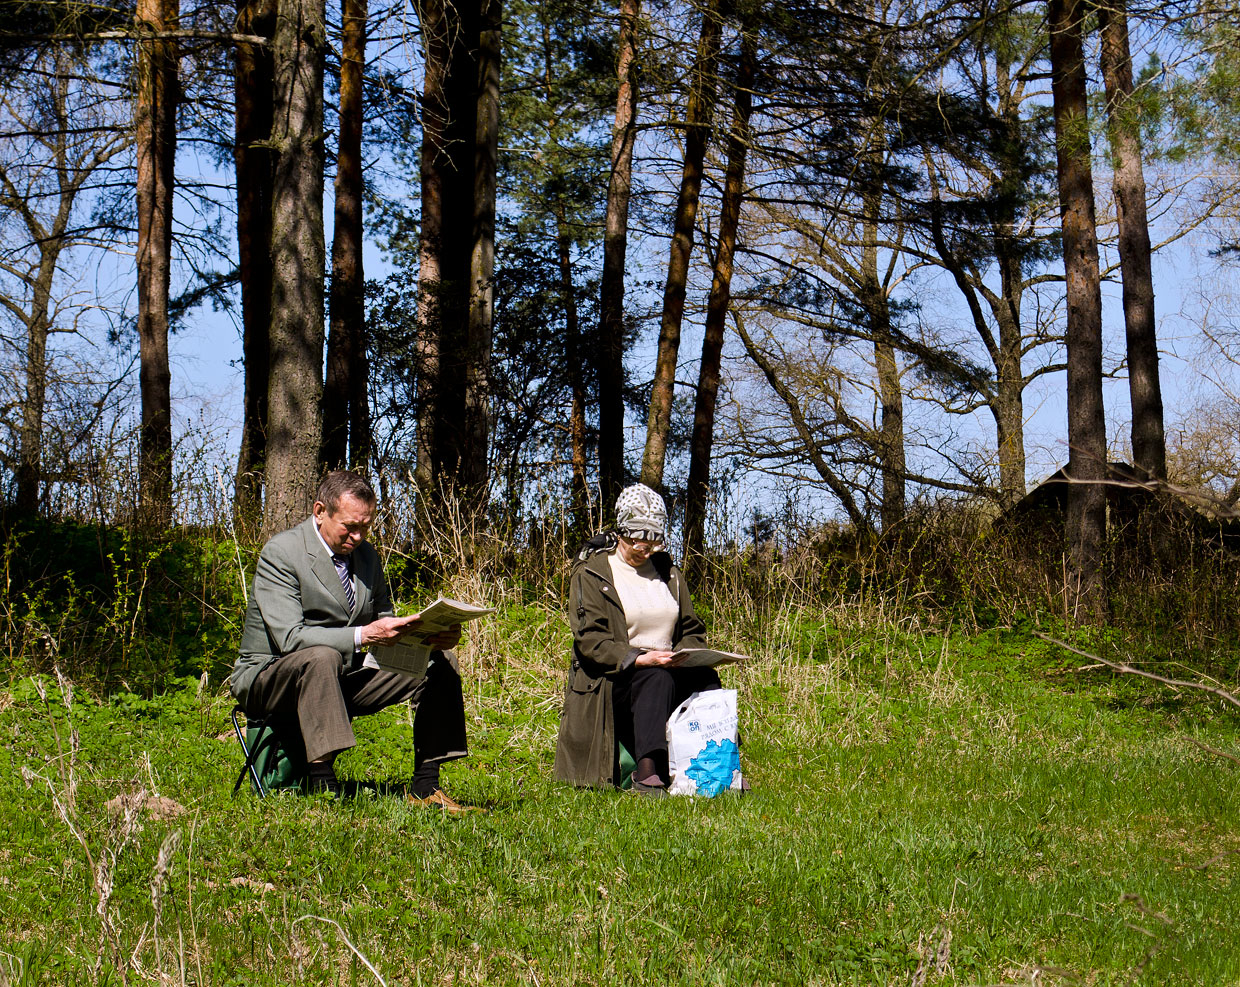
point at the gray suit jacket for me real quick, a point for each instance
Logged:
(296, 602)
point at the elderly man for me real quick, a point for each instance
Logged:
(319, 599)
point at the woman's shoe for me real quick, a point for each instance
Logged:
(651, 787)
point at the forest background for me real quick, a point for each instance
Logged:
(842, 280)
(857, 216)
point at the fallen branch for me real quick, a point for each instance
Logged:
(1213, 750)
(1125, 668)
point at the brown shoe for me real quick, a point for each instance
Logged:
(439, 800)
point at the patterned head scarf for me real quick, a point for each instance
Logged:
(641, 514)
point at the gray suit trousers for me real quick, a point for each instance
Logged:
(312, 693)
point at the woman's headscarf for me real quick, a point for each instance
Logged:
(641, 514)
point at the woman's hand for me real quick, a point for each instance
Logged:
(648, 659)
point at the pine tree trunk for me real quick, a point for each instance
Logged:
(451, 35)
(717, 311)
(615, 244)
(253, 162)
(1086, 522)
(474, 459)
(359, 361)
(579, 493)
(697, 134)
(1009, 403)
(298, 263)
(579, 501)
(891, 435)
(1008, 406)
(30, 455)
(436, 53)
(1009, 411)
(889, 442)
(346, 340)
(155, 139)
(1149, 448)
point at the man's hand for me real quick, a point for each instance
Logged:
(386, 630)
(648, 659)
(446, 640)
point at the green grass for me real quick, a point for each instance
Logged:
(974, 799)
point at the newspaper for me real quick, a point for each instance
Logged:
(410, 654)
(703, 658)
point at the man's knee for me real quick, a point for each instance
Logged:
(316, 661)
(444, 663)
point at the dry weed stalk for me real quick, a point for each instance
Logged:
(158, 881)
(103, 862)
(353, 949)
(102, 866)
(932, 959)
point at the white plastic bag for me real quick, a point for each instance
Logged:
(702, 753)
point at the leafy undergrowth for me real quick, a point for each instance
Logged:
(926, 810)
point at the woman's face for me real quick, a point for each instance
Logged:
(637, 551)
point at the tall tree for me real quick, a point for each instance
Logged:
(456, 246)
(1087, 463)
(559, 95)
(298, 260)
(346, 406)
(66, 135)
(155, 106)
(698, 115)
(873, 296)
(254, 161)
(718, 303)
(433, 300)
(474, 472)
(615, 245)
(987, 228)
(1149, 447)
(445, 242)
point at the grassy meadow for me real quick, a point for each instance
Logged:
(928, 807)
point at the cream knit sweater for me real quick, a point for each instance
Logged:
(650, 609)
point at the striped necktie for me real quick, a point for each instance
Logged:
(346, 579)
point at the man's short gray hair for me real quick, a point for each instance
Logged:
(344, 483)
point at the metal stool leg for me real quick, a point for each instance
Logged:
(251, 755)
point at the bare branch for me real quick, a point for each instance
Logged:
(1126, 669)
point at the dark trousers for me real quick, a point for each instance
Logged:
(313, 692)
(643, 699)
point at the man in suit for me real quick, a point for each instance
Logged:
(318, 600)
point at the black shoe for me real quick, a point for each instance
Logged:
(317, 784)
(649, 789)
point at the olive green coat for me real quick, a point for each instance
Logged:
(586, 753)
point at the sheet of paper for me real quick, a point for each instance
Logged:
(703, 658)
(410, 655)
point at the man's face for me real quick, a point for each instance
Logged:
(346, 528)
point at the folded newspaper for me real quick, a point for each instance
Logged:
(410, 654)
(703, 658)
